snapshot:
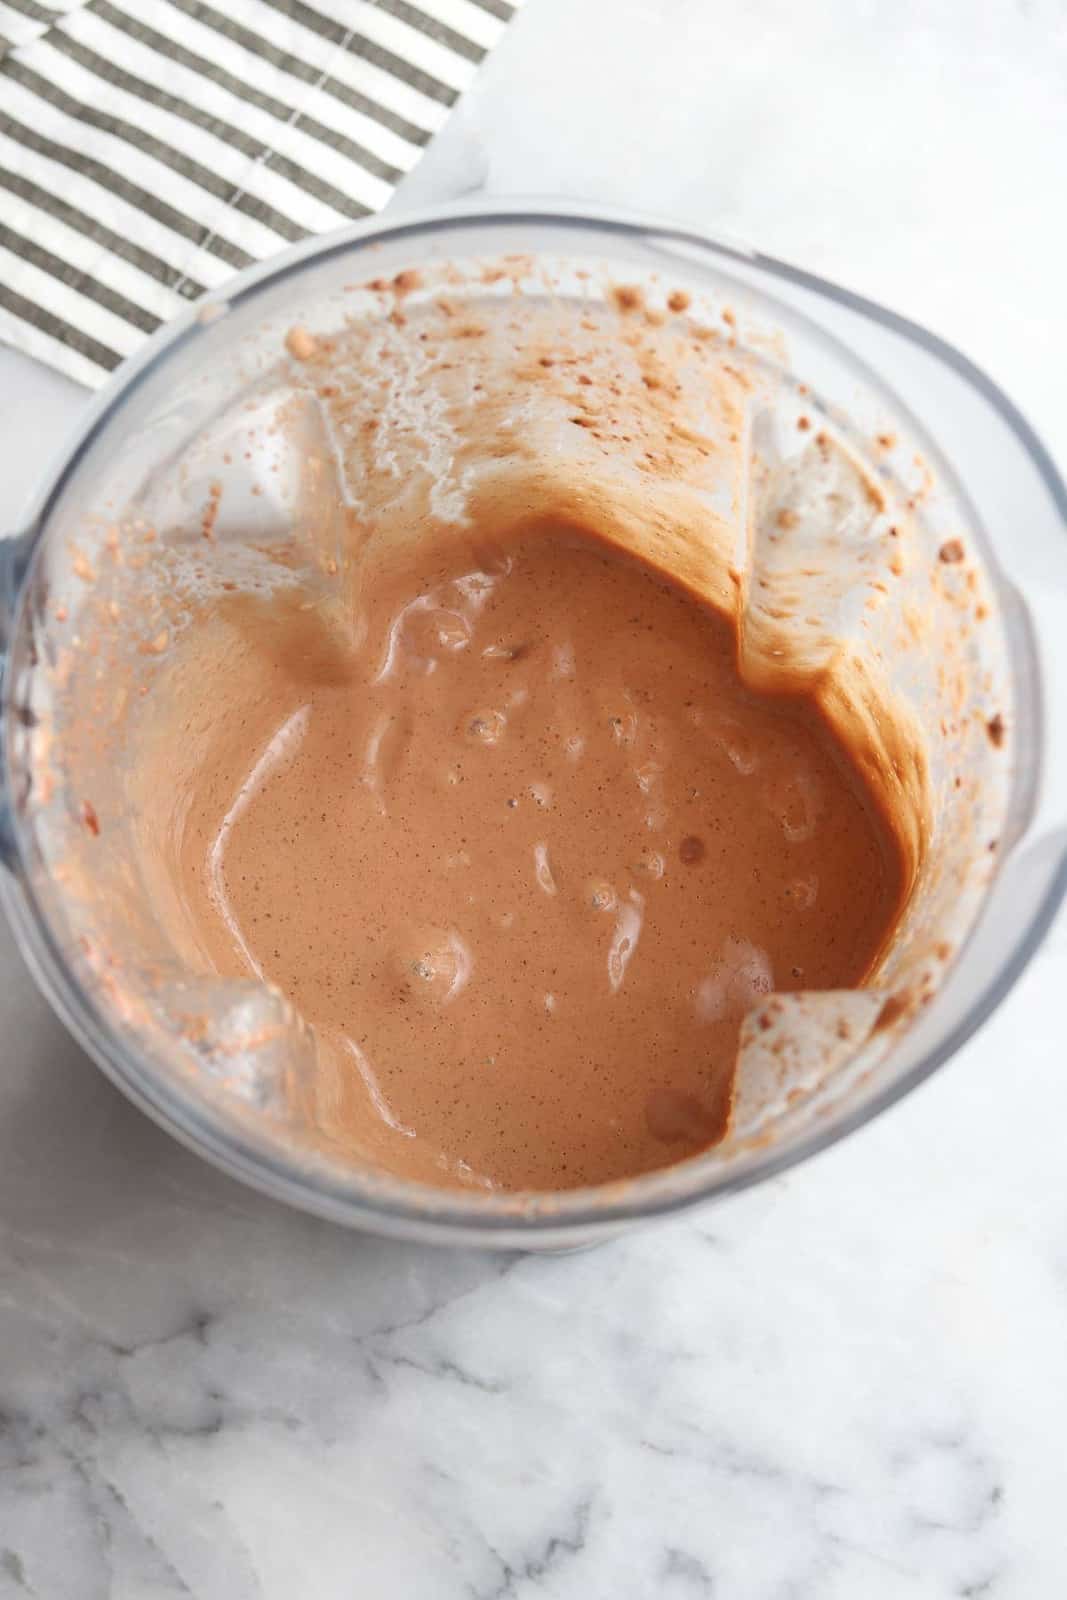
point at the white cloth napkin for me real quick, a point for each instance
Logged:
(148, 148)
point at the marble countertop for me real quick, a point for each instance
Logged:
(850, 1382)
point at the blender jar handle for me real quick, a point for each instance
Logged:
(1046, 611)
(14, 551)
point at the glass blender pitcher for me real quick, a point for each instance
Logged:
(968, 638)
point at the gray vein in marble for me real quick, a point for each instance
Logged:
(446, 1370)
(692, 1575)
(11, 1563)
(500, 1268)
(556, 1550)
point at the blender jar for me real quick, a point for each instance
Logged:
(927, 543)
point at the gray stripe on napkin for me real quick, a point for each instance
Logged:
(94, 229)
(149, 147)
(287, 62)
(133, 193)
(244, 91)
(349, 39)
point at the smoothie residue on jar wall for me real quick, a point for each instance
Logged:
(527, 757)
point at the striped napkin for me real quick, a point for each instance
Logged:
(150, 147)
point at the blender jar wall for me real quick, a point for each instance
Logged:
(168, 398)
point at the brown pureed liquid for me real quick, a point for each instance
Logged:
(528, 859)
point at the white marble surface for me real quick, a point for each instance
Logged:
(849, 1383)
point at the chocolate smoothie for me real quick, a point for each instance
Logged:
(523, 850)
(482, 736)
